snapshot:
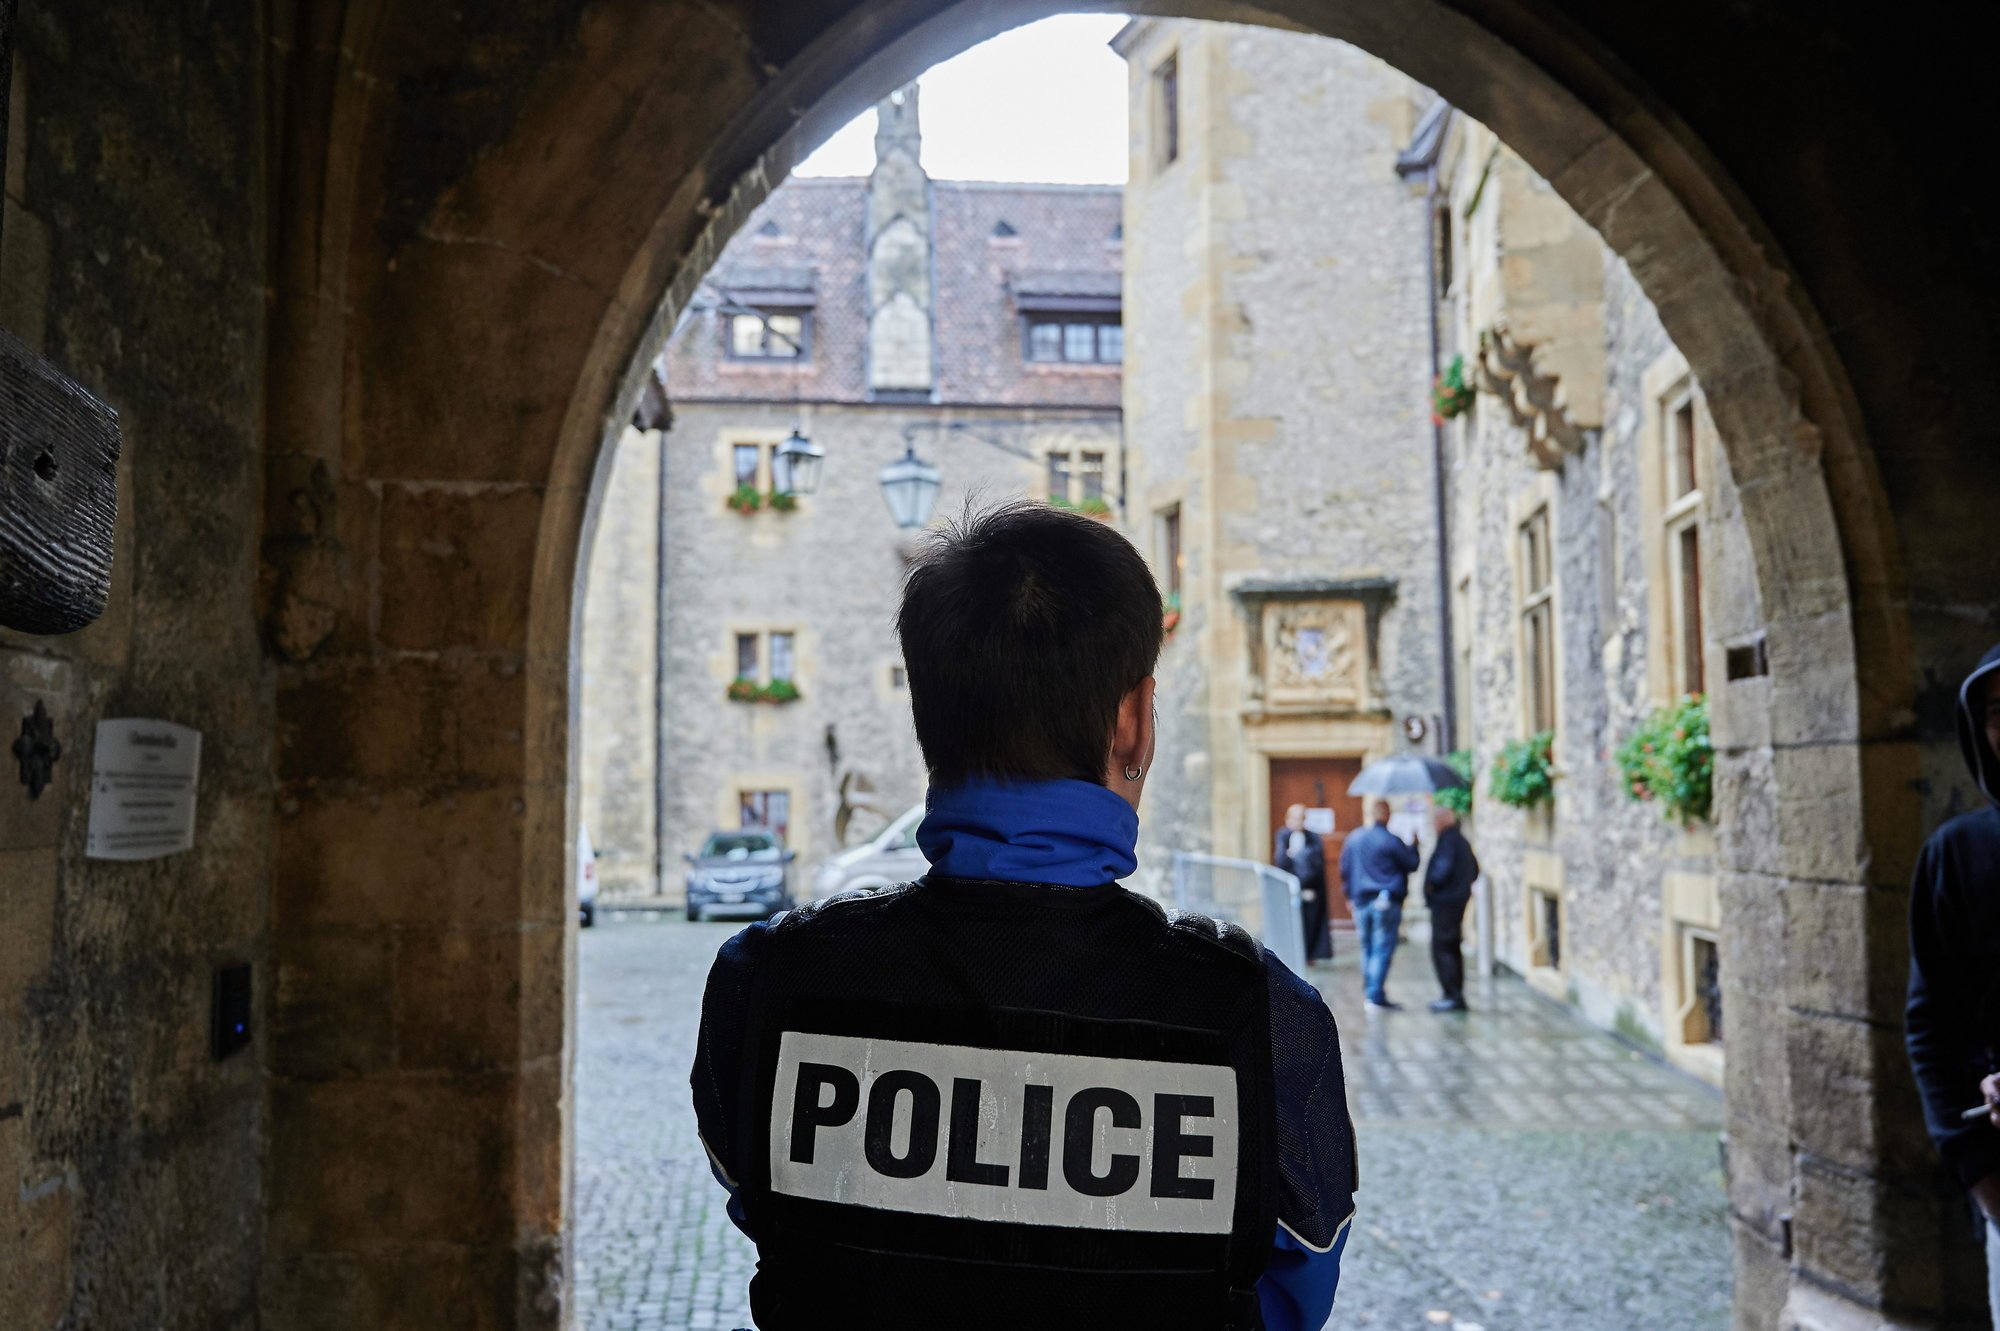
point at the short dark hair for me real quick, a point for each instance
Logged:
(1023, 626)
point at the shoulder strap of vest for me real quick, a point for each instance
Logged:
(804, 915)
(1224, 934)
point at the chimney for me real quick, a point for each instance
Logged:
(899, 255)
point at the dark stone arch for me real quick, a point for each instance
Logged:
(485, 231)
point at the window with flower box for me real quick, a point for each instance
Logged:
(766, 667)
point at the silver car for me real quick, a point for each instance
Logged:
(891, 857)
(741, 873)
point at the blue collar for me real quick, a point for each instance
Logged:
(1066, 833)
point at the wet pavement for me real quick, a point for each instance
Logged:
(1520, 1171)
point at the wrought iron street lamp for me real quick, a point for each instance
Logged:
(910, 484)
(802, 458)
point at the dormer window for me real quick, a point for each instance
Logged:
(1076, 338)
(777, 335)
(1071, 317)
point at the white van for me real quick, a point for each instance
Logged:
(891, 857)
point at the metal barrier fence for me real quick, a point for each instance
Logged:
(1261, 898)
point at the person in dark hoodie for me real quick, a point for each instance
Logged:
(1952, 1023)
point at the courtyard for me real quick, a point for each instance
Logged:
(1520, 1170)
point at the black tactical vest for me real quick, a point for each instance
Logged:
(979, 1104)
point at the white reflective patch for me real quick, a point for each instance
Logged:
(1007, 1135)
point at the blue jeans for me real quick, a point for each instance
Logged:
(1377, 923)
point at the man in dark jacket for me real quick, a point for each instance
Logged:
(1014, 1093)
(1302, 854)
(1952, 1025)
(1375, 869)
(1447, 888)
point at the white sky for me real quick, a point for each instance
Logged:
(1041, 103)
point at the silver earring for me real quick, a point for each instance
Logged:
(1134, 773)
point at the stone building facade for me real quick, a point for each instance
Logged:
(975, 324)
(1277, 427)
(1600, 572)
(1284, 193)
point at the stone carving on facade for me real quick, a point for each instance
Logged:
(1315, 654)
(1506, 368)
(861, 813)
(1313, 643)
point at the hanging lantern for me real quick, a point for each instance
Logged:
(802, 458)
(911, 486)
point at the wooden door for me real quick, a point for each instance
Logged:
(1320, 783)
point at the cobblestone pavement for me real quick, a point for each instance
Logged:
(1519, 1170)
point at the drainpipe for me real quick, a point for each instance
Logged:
(1448, 732)
(1420, 157)
(655, 415)
(660, 675)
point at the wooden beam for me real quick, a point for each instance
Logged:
(58, 496)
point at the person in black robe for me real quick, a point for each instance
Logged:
(1303, 855)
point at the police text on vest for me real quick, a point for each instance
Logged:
(1003, 1134)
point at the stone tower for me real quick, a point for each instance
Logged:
(899, 255)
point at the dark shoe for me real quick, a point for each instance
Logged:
(1384, 1005)
(1448, 1005)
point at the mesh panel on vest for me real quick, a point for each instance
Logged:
(984, 1104)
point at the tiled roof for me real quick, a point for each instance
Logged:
(820, 225)
(1067, 282)
(748, 277)
(993, 242)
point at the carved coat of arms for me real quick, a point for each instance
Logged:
(1313, 653)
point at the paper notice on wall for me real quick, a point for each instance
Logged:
(1319, 821)
(142, 787)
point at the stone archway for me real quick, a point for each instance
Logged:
(480, 222)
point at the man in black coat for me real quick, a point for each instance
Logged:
(1303, 855)
(1952, 1023)
(1447, 888)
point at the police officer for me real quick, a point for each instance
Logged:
(1013, 1094)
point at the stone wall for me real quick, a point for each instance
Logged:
(1606, 856)
(1277, 367)
(133, 259)
(1165, 344)
(617, 703)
